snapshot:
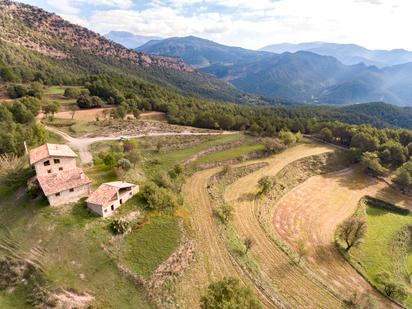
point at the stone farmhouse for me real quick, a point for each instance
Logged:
(110, 196)
(59, 177)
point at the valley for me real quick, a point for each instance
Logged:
(189, 174)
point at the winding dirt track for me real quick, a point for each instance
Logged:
(300, 290)
(311, 213)
(83, 143)
(213, 261)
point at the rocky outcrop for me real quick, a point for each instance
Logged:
(51, 35)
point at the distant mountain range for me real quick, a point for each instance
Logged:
(201, 53)
(301, 76)
(128, 39)
(348, 54)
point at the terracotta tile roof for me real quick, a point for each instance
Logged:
(58, 182)
(50, 150)
(107, 192)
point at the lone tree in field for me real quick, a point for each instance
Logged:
(265, 185)
(248, 242)
(352, 231)
(229, 293)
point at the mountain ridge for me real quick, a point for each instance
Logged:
(348, 54)
(38, 45)
(303, 76)
(128, 39)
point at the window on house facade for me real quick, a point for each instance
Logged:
(71, 190)
(46, 163)
(49, 171)
(57, 194)
(60, 168)
(56, 161)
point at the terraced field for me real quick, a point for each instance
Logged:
(312, 211)
(214, 261)
(298, 288)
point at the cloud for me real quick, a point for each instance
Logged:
(250, 23)
(72, 6)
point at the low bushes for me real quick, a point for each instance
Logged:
(119, 226)
(377, 203)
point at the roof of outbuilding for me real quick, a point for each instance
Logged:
(62, 181)
(107, 192)
(50, 150)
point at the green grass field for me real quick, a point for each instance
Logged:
(55, 90)
(166, 160)
(229, 154)
(73, 257)
(376, 255)
(145, 248)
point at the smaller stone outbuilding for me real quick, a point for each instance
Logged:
(110, 196)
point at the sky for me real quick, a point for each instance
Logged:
(375, 24)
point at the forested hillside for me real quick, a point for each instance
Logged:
(305, 76)
(39, 46)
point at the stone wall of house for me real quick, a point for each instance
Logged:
(56, 165)
(67, 196)
(106, 210)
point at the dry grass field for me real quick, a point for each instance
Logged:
(213, 259)
(299, 289)
(311, 212)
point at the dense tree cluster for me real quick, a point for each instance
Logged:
(17, 124)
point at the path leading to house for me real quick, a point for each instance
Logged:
(311, 213)
(83, 143)
(299, 288)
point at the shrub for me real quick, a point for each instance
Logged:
(109, 160)
(224, 212)
(229, 293)
(273, 145)
(265, 185)
(119, 226)
(72, 93)
(124, 164)
(396, 290)
(159, 198)
(287, 137)
(16, 91)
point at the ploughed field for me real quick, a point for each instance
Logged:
(308, 213)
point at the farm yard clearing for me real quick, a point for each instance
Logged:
(311, 212)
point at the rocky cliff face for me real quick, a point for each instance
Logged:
(49, 34)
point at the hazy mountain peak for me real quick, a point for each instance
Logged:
(128, 39)
(347, 53)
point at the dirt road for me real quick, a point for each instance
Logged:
(82, 143)
(213, 261)
(312, 211)
(300, 290)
